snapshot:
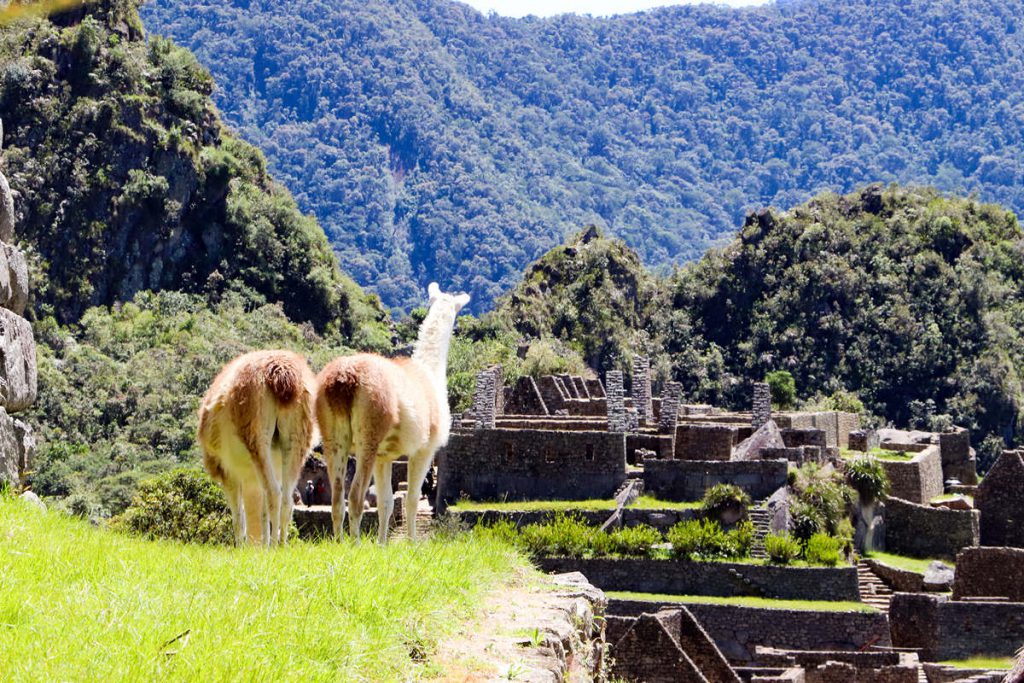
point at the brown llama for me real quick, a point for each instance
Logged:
(383, 409)
(256, 428)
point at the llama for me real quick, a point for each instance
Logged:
(384, 408)
(256, 428)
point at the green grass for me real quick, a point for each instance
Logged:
(79, 603)
(988, 663)
(951, 496)
(808, 605)
(913, 564)
(641, 503)
(881, 454)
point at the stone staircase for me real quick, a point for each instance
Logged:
(762, 522)
(873, 590)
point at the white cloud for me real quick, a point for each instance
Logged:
(544, 8)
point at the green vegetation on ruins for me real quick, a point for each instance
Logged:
(985, 663)
(644, 502)
(912, 564)
(746, 601)
(83, 599)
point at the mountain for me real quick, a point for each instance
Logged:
(434, 142)
(902, 298)
(128, 181)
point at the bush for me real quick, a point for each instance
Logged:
(742, 538)
(722, 497)
(781, 548)
(822, 549)
(637, 541)
(704, 539)
(182, 505)
(783, 388)
(868, 478)
(805, 520)
(566, 536)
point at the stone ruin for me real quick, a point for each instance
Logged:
(1000, 498)
(18, 380)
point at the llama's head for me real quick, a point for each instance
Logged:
(451, 303)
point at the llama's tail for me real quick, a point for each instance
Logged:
(283, 379)
(339, 387)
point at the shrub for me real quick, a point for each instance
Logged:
(704, 539)
(742, 538)
(868, 478)
(636, 541)
(722, 497)
(783, 388)
(566, 536)
(805, 520)
(822, 549)
(182, 505)
(781, 548)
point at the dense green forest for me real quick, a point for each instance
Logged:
(434, 142)
(127, 180)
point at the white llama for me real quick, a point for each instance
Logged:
(382, 409)
(256, 429)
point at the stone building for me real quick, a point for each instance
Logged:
(1000, 498)
(17, 348)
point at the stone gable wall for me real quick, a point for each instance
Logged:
(705, 441)
(924, 531)
(686, 480)
(504, 464)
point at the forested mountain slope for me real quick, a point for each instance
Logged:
(127, 181)
(434, 142)
(904, 298)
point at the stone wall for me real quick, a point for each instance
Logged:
(524, 398)
(503, 464)
(683, 480)
(761, 407)
(485, 398)
(924, 531)
(737, 631)
(958, 461)
(1000, 499)
(641, 389)
(990, 572)
(676, 577)
(18, 375)
(696, 441)
(951, 629)
(615, 401)
(668, 415)
(662, 445)
(918, 480)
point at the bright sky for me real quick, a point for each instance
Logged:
(543, 8)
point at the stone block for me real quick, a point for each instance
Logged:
(17, 447)
(18, 375)
(6, 211)
(13, 279)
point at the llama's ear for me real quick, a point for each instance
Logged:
(462, 299)
(433, 291)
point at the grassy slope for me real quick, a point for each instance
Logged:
(77, 603)
(641, 503)
(912, 564)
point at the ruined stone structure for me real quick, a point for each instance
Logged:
(990, 572)
(955, 629)
(18, 379)
(688, 479)
(485, 401)
(671, 398)
(918, 480)
(642, 389)
(616, 401)
(1000, 499)
(761, 410)
(705, 441)
(505, 464)
(924, 531)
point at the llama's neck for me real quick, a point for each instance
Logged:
(431, 350)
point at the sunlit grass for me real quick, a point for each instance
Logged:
(79, 603)
(988, 663)
(881, 454)
(913, 564)
(746, 601)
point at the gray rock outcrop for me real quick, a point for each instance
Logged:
(18, 373)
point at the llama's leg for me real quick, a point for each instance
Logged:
(255, 514)
(336, 470)
(295, 429)
(357, 493)
(270, 478)
(385, 497)
(234, 496)
(419, 463)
